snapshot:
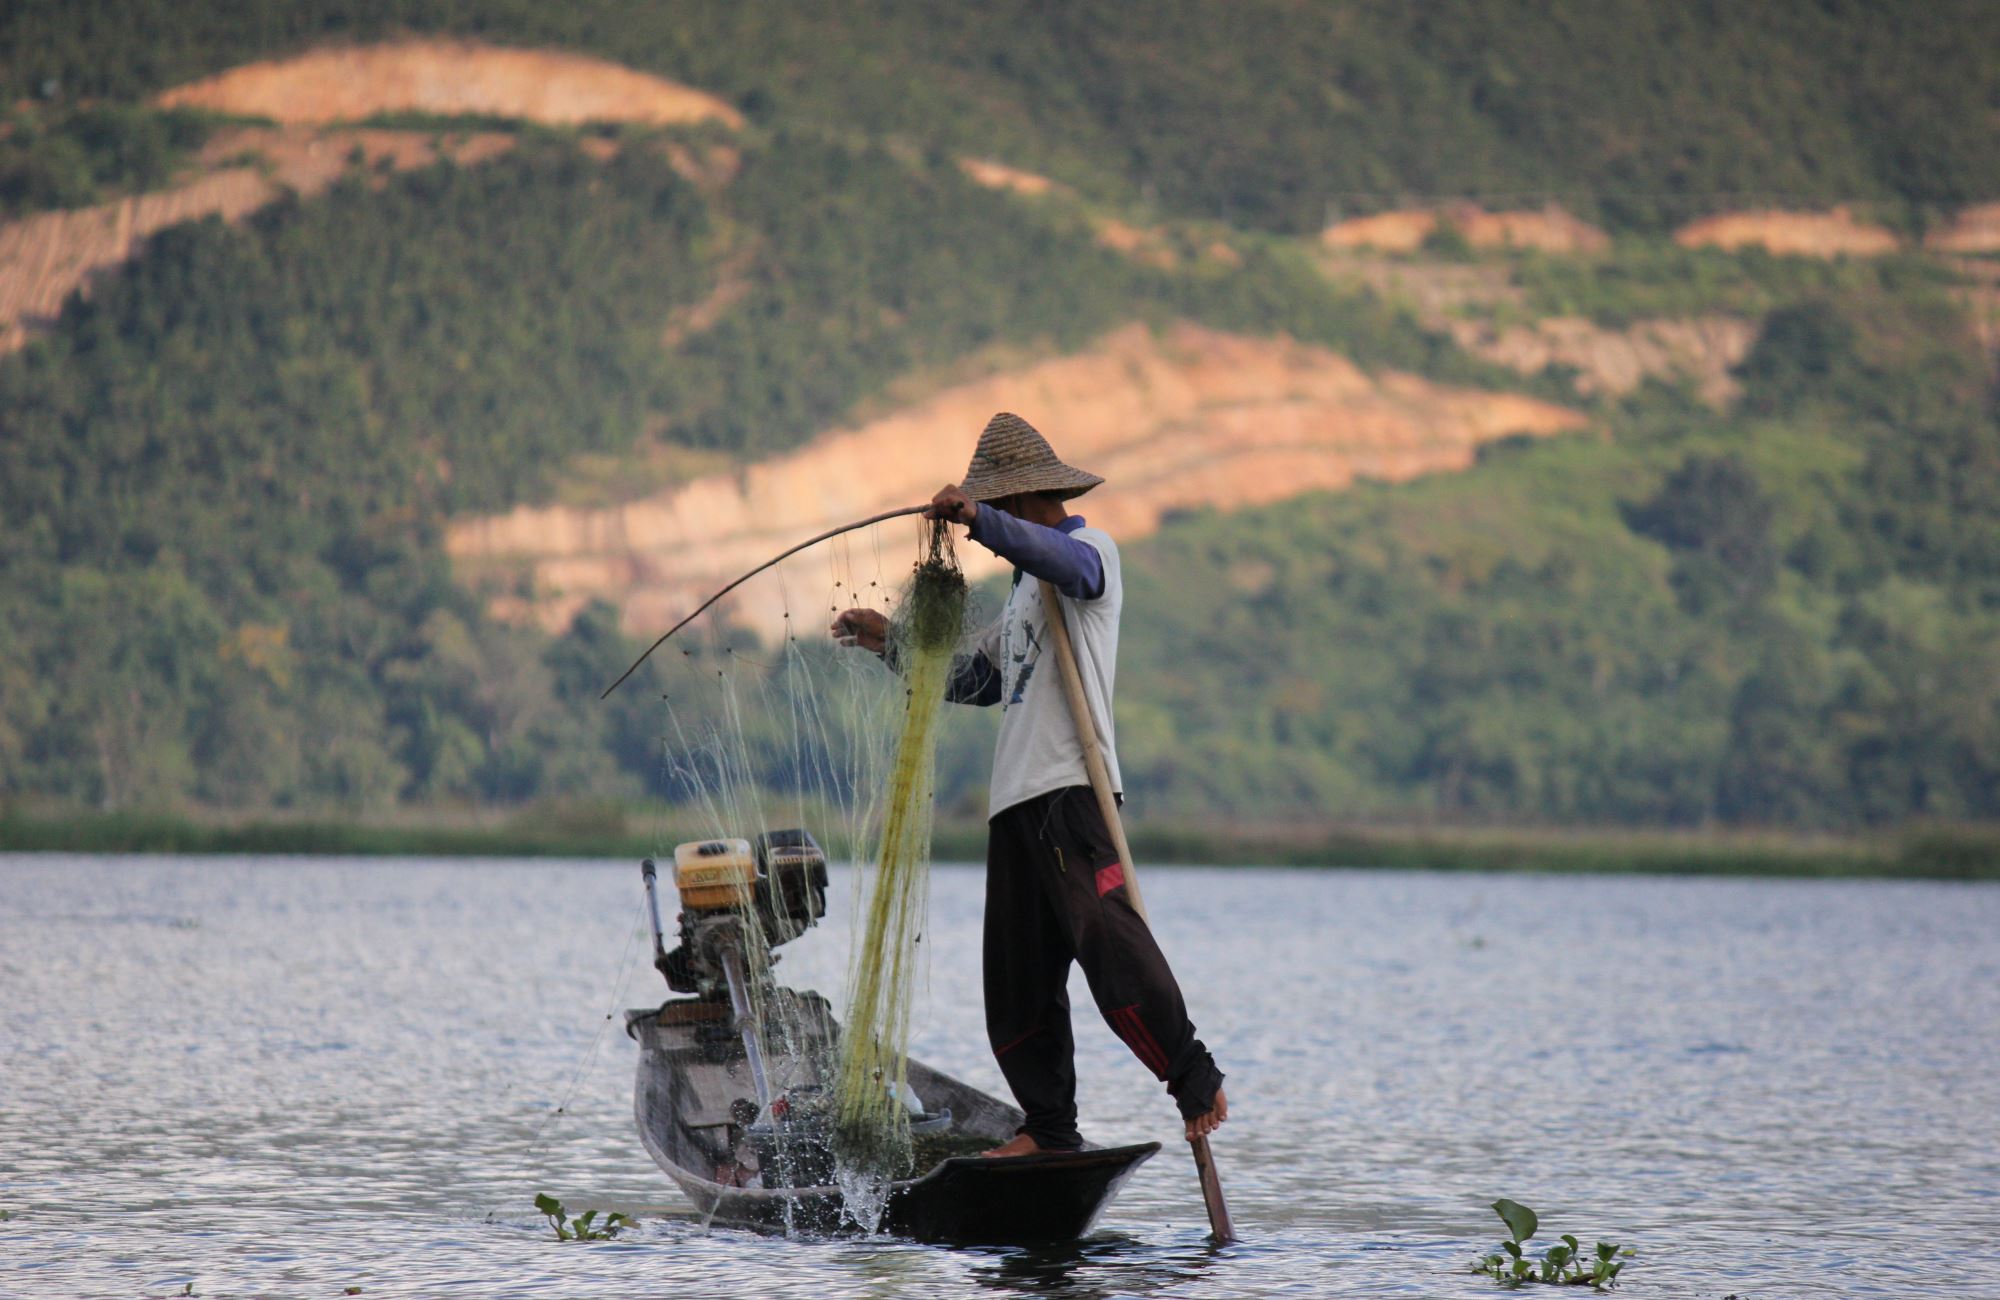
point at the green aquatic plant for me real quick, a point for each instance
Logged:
(584, 1227)
(1560, 1265)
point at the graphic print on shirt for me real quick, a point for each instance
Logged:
(1019, 665)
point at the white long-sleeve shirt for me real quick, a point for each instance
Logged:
(1011, 662)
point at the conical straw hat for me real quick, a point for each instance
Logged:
(1013, 457)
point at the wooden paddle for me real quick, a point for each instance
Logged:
(1219, 1226)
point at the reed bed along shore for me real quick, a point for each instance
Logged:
(1916, 852)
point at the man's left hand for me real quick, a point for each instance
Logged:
(953, 505)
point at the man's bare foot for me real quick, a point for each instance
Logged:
(1204, 1124)
(1020, 1145)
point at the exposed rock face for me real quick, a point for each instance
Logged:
(1978, 292)
(346, 84)
(1149, 246)
(1197, 418)
(46, 257)
(1974, 230)
(1436, 290)
(1550, 229)
(1385, 232)
(1797, 234)
(310, 161)
(1703, 349)
(999, 176)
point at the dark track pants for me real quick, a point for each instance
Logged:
(1055, 893)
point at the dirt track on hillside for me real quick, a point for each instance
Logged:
(46, 257)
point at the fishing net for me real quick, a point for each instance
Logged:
(765, 731)
(871, 1088)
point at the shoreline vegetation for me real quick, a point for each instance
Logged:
(1914, 852)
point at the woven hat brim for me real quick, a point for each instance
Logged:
(1059, 478)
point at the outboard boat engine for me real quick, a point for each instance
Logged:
(739, 900)
(778, 880)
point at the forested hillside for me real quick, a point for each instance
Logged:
(225, 475)
(1788, 613)
(230, 468)
(1262, 112)
(232, 463)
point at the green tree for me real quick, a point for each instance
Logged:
(1712, 513)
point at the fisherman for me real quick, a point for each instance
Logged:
(1055, 888)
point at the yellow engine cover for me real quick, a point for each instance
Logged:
(714, 874)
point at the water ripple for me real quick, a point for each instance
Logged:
(291, 1077)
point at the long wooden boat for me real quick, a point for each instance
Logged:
(692, 1101)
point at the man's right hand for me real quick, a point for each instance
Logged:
(866, 628)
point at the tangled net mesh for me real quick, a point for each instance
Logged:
(825, 738)
(871, 1117)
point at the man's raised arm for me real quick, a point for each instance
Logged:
(1073, 566)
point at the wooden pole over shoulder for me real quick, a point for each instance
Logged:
(1219, 1226)
(1086, 735)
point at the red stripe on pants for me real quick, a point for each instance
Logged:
(999, 1052)
(1140, 1039)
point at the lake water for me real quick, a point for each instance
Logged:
(289, 1077)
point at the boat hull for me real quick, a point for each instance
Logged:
(1019, 1201)
(688, 1077)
